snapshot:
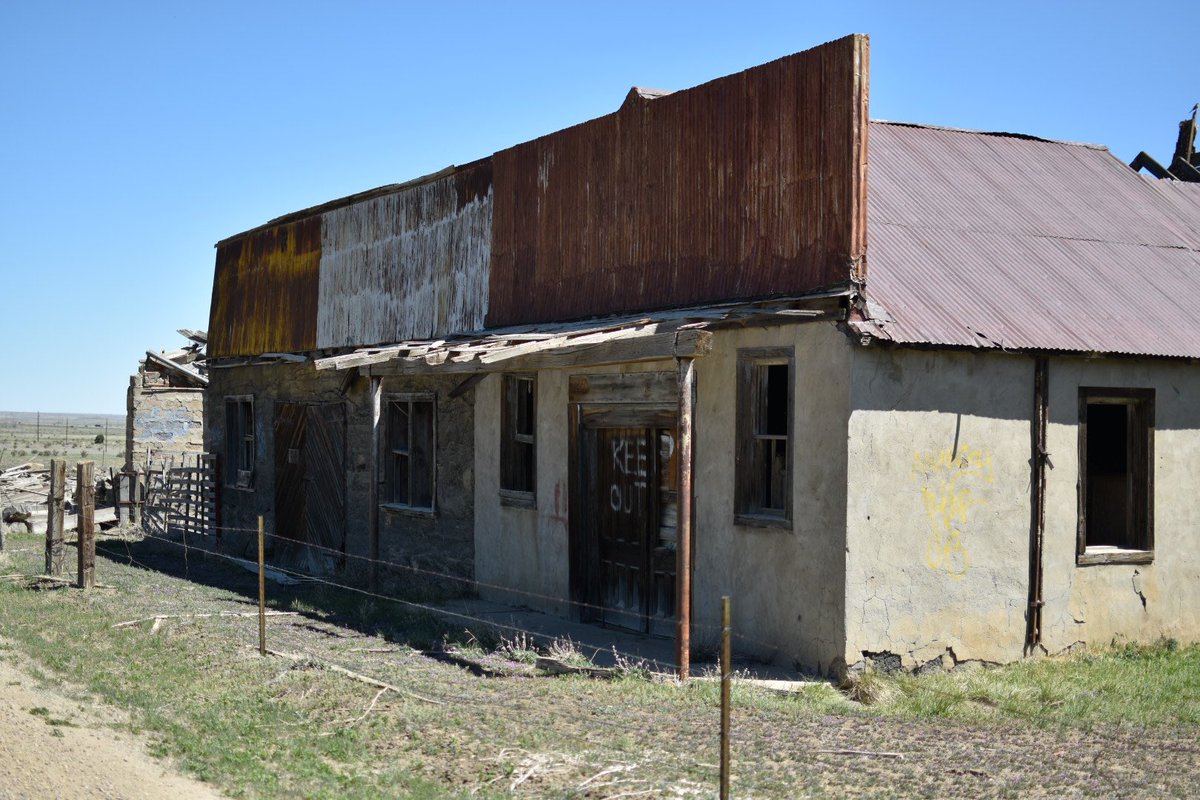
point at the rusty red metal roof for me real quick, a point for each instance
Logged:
(997, 240)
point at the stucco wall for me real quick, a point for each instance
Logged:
(938, 512)
(441, 544)
(937, 519)
(786, 585)
(1095, 604)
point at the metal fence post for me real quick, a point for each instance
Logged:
(262, 593)
(726, 681)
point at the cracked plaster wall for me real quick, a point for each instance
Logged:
(1096, 604)
(938, 513)
(938, 508)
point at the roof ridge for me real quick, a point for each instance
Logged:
(1002, 134)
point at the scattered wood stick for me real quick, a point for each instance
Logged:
(358, 676)
(608, 771)
(158, 618)
(373, 650)
(350, 723)
(847, 752)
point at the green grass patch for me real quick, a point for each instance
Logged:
(1132, 684)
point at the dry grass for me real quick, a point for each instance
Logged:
(286, 728)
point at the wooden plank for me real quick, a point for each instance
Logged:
(652, 347)
(628, 387)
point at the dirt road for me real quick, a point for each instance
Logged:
(54, 747)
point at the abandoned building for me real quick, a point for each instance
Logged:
(164, 406)
(896, 389)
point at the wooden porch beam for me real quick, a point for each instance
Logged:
(691, 343)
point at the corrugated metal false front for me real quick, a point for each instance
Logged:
(410, 265)
(406, 264)
(265, 291)
(746, 186)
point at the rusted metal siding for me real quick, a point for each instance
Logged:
(265, 291)
(1003, 241)
(408, 265)
(747, 186)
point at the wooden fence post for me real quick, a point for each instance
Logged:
(85, 488)
(55, 551)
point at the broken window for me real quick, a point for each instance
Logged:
(1116, 484)
(518, 457)
(764, 435)
(239, 442)
(410, 452)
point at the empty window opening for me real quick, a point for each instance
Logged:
(239, 442)
(764, 435)
(771, 437)
(410, 456)
(518, 455)
(1116, 481)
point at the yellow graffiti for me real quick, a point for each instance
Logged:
(947, 477)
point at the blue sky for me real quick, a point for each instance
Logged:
(133, 136)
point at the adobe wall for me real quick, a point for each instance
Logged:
(786, 584)
(939, 509)
(423, 547)
(161, 420)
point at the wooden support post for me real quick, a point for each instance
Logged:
(139, 496)
(85, 489)
(726, 681)
(683, 551)
(55, 550)
(373, 493)
(262, 591)
(124, 496)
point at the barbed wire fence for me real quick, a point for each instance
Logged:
(291, 642)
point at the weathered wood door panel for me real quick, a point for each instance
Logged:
(623, 513)
(626, 524)
(290, 422)
(310, 482)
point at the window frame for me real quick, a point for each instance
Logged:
(751, 370)
(1141, 403)
(389, 454)
(511, 437)
(241, 445)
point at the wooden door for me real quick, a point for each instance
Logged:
(310, 480)
(619, 484)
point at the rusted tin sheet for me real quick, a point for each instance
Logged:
(265, 291)
(1003, 241)
(747, 186)
(408, 265)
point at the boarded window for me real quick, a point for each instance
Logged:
(1116, 483)
(518, 453)
(239, 442)
(764, 454)
(410, 455)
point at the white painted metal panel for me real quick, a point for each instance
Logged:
(409, 265)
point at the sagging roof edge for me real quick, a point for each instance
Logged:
(646, 94)
(357, 197)
(780, 306)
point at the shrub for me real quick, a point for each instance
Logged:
(99, 439)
